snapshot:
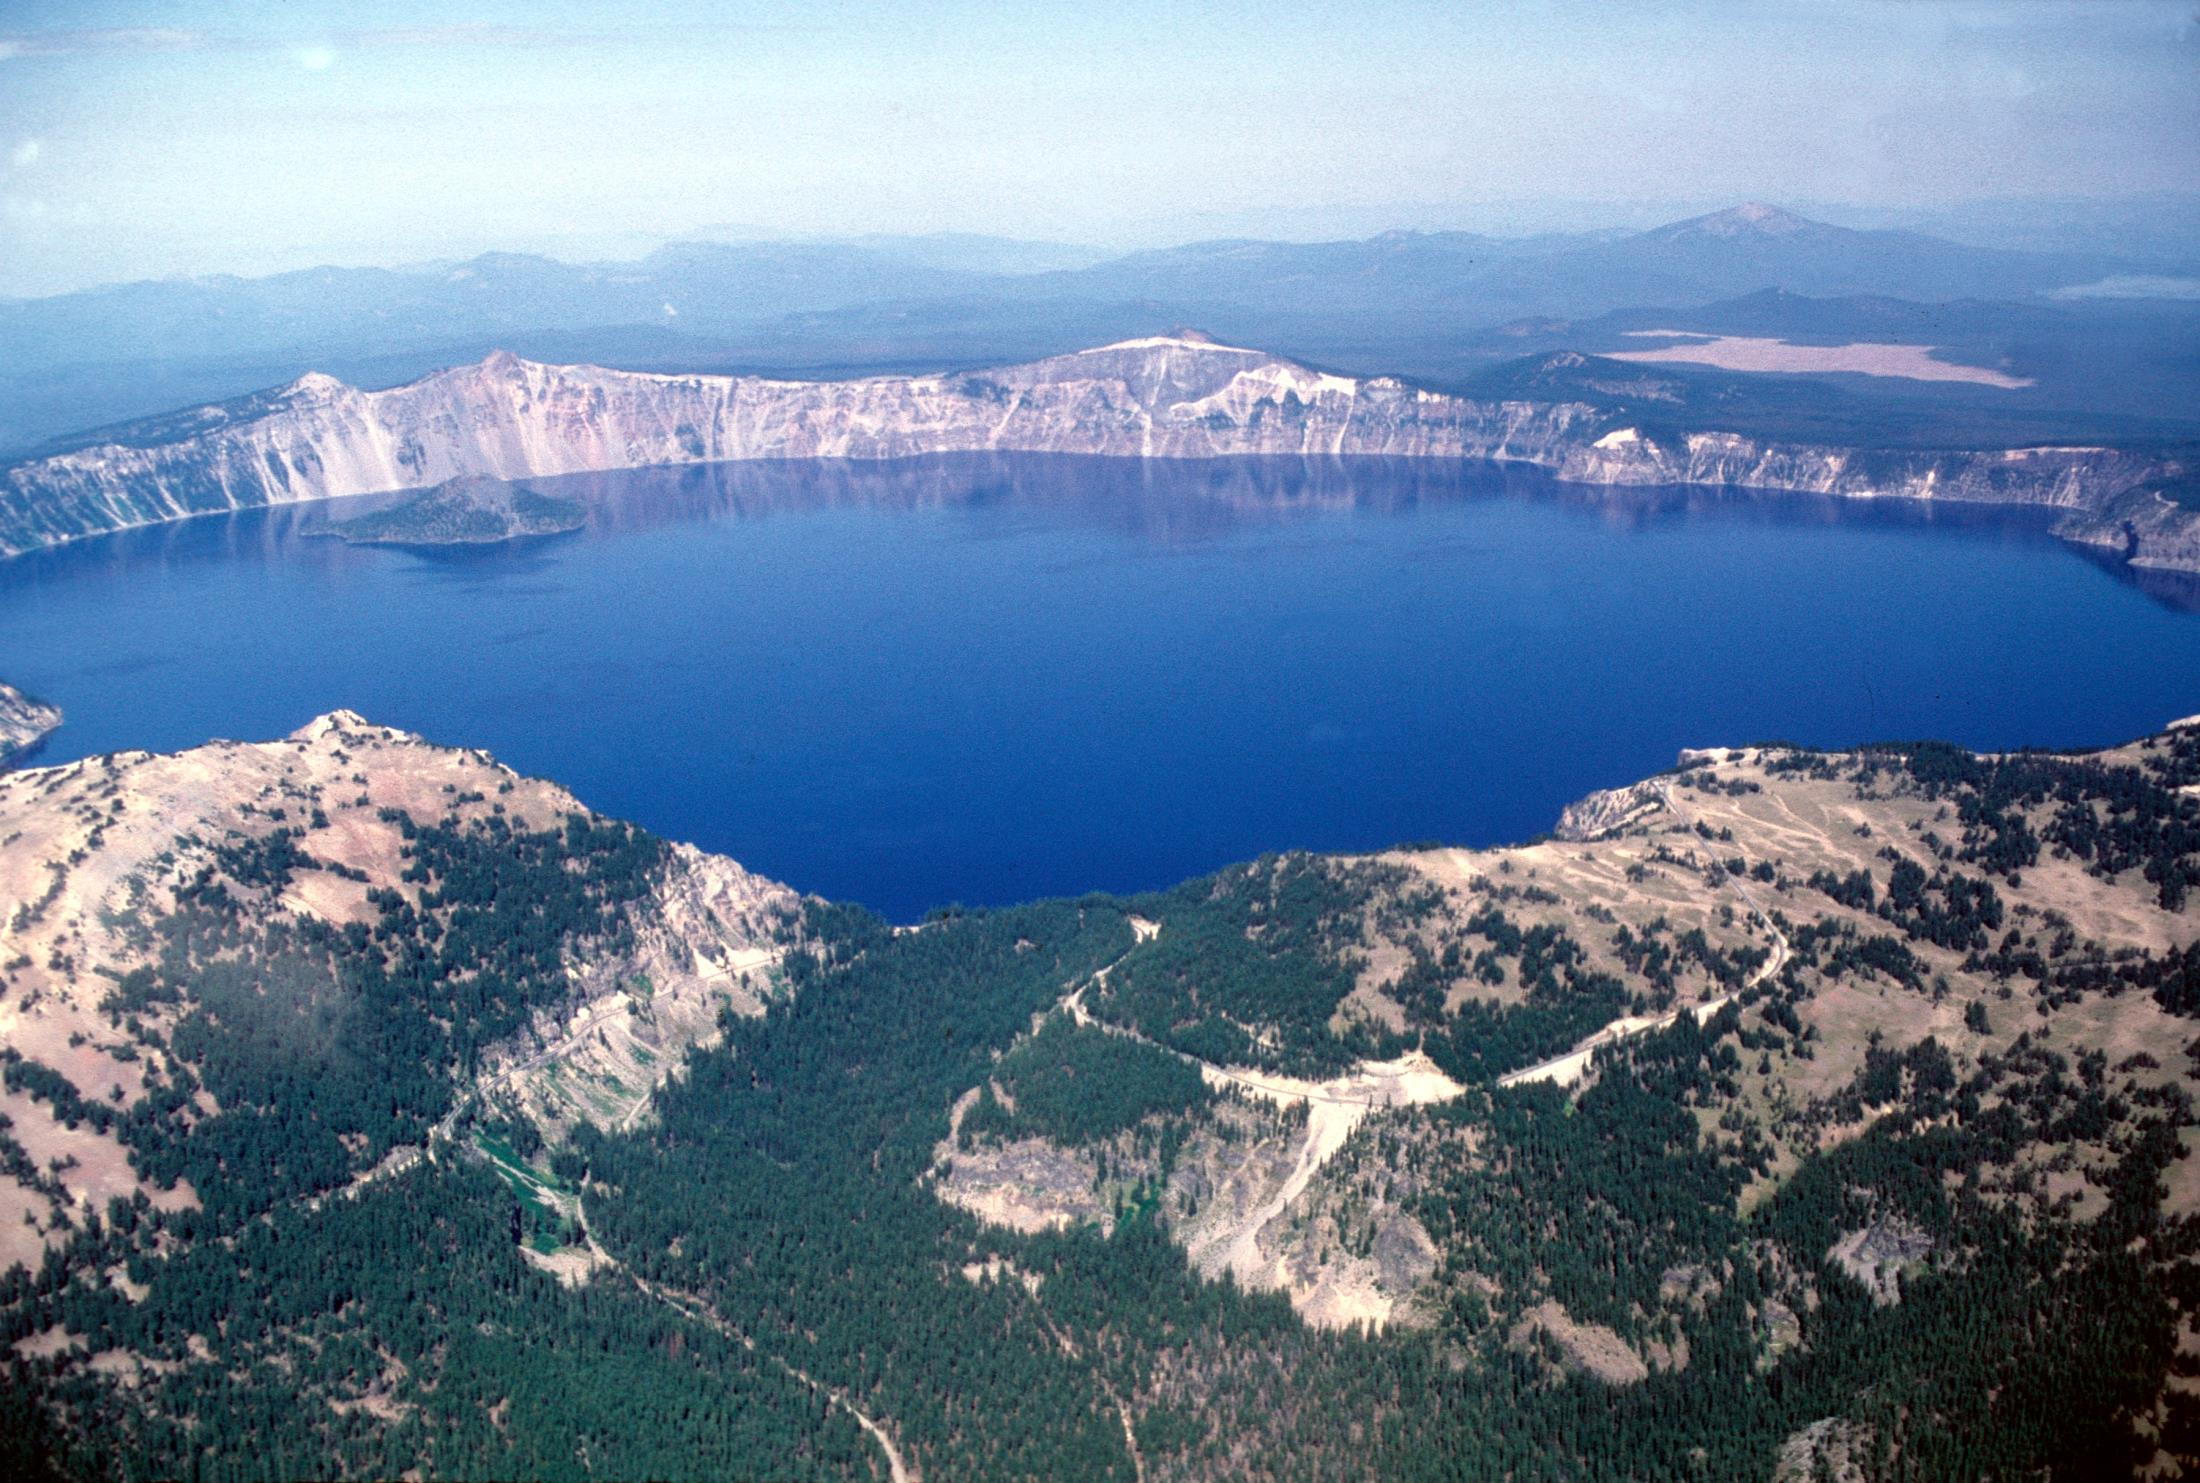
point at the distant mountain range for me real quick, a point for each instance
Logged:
(709, 284)
(1723, 255)
(1397, 300)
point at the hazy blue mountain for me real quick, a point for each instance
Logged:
(346, 310)
(1421, 303)
(2163, 226)
(1753, 247)
(1381, 273)
(343, 310)
(954, 252)
(1483, 279)
(973, 252)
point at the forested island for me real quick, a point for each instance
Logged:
(467, 511)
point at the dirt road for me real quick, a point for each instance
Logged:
(1572, 1066)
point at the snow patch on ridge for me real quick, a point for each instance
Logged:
(1170, 342)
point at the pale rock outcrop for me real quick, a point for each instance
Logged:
(1609, 810)
(1172, 396)
(24, 722)
(1878, 1255)
(1832, 1450)
(1583, 1348)
(706, 939)
(1026, 1185)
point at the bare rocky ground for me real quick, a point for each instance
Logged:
(1699, 888)
(1293, 1187)
(24, 722)
(93, 848)
(709, 939)
(1829, 1451)
(1025, 1185)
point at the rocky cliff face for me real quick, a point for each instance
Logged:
(1609, 810)
(2143, 526)
(1163, 397)
(101, 851)
(23, 721)
(2081, 479)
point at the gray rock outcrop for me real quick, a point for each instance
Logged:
(24, 722)
(1164, 397)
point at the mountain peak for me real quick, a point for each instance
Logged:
(336, 721)
(1750, 219)
(315, 384)
(1175, 339)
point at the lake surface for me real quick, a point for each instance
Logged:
(987, 679)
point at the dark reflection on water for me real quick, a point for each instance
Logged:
(1159, 502)
(987, 678)
(1169, 503)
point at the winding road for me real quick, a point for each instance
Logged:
(1572, 1066)
(695, 1310)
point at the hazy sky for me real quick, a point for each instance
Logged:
(146, 139)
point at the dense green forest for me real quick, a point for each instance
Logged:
(1079, 1084)
(781, 1190)
(324, 1047)
(401, 1330)
(765, 1257)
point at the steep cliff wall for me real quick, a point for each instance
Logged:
(24, 722)
(1164, 397)
(2061, 478)
(2142, 525)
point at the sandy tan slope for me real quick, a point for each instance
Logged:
(94, 850)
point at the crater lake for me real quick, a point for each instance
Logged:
(985, 679)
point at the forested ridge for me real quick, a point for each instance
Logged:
(1913, 1203)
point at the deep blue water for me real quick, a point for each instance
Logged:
(987, 679)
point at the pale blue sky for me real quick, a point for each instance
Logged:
(145, 139)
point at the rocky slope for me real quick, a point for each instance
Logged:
(1175, 396)
(1881, 1149)
(2144, 526)
(1862, 932)
(23, 721)
(299, 835)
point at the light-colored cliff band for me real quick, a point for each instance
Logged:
(1161, 397)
